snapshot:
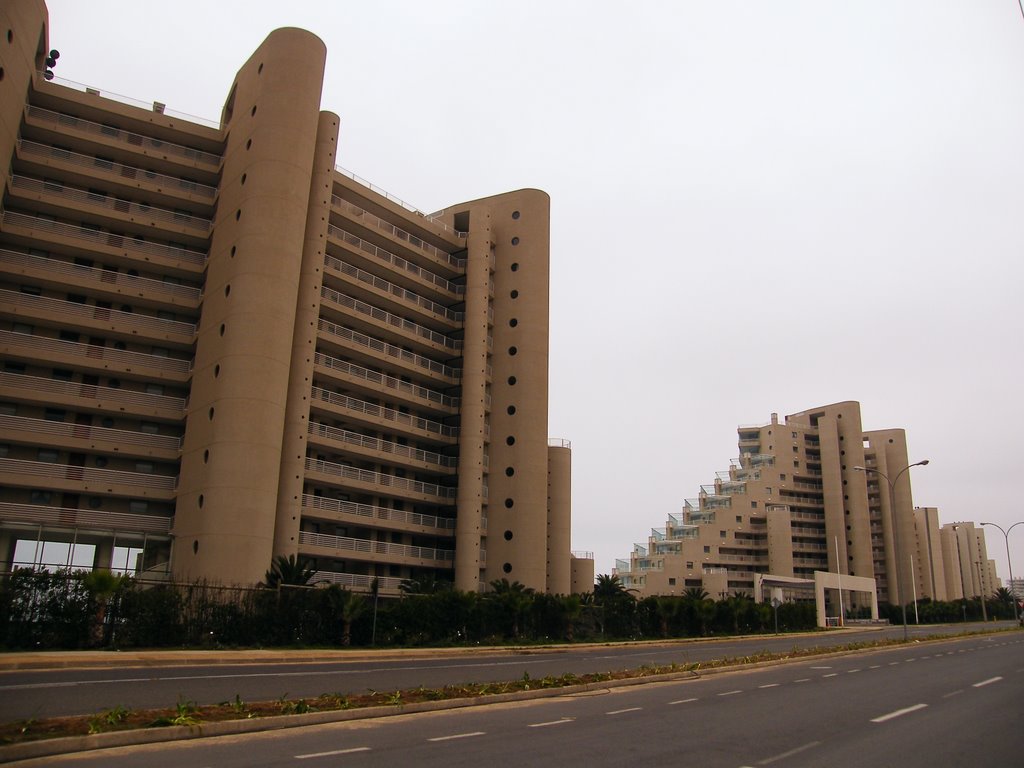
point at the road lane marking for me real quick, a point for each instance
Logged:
(551, 722)
(682, 701)
(730, 693)
(803, 680)
(952, 693)
(831, 674)
(621, 711)
(893, 663)
(332, 753)
(821, 667)
(851, 671)
(986, 682)
(784, 755)
(898, 713)
(875, 666)
(457, 736)
(769, 685)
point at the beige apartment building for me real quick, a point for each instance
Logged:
(796, 501)
(218, 347)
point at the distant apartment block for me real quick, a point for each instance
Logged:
(218, 347)
(797, 501)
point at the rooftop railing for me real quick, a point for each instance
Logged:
(397, 200)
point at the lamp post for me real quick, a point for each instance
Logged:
(1009, 563)
(895, 528)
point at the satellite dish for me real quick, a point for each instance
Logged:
(51, 62)
(54, 54)
(48, 75)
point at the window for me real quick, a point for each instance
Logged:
(144, 466)
(707, 550)
(739, 518)
(54, 414)
(41, 497)
(782, 477)
(48, 455)
(138, 507)
(149, 427)
(671, 581)
(753, 505)
(689, 563)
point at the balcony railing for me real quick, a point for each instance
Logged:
(130, 245)
(387, 318)
(384, 193)
(9, 424)
(382, 446)
(165, 183)
(380, 479)
(396, 261)
(388, 350)
(374, 547)
(125, 321)
(107, 477)
(130, 360)
(376, 513)
(372, 221)
(64, 121)
(387, 414)
(383, 380)
(147, 213)
(37, 384)
(357, 581)
(137, 286)
(83, 518)
(394, 290)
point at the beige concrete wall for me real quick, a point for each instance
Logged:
(227, 504)
(23, 47)
(582, 575)
(559, 543)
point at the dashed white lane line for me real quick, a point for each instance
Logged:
(831, 674)
(952, 693)
(803, 680)
(790, 753)
(332, 753)
(875, 666)
(987, 682)
(552, 722)
(898, 713)
(682, 701)
(730, 693)
(623, 711)
(851, 671)
(457, 736)
(893, 663)
(770, 685)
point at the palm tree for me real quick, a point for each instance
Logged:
(514, 597)
(609, 588)
(288, 572)
(102, 585)
(424, 584)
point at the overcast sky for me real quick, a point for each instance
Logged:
(756, 207)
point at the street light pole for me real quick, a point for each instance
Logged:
(895, 529)
(1009, 563)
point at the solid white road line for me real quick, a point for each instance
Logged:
(332, 753)
(784, 755)
(986, 682)
(898, 713)
(457, 736)
(769, 685)
(682, 701)
(551, 722)
(621, 711)
(730, 693)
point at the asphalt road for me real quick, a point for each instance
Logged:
(51, 693)
(952, 703)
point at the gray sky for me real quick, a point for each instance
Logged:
(772, 205)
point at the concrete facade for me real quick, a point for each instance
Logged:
(219, 347)
(797, 502)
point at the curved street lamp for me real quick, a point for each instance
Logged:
(895, 527)
(1009, 563)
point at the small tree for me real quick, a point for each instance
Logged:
(289, 572)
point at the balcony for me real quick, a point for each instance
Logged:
(374, 381)
(32, 474)
(381, 450)
(85, 437)
(350, 511)
(97, 241)
(386, 321)
(62, 517)
(382, 288)
(55, 392)
(118, 285)
(150, 147)
(377, 255)
(385, 351)
(35, 348)
(371, 222)
(377, 550)
(129, 212)
(380, 483)
(132, 177)
(358, 582)
(87, 316)
(379, 416)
